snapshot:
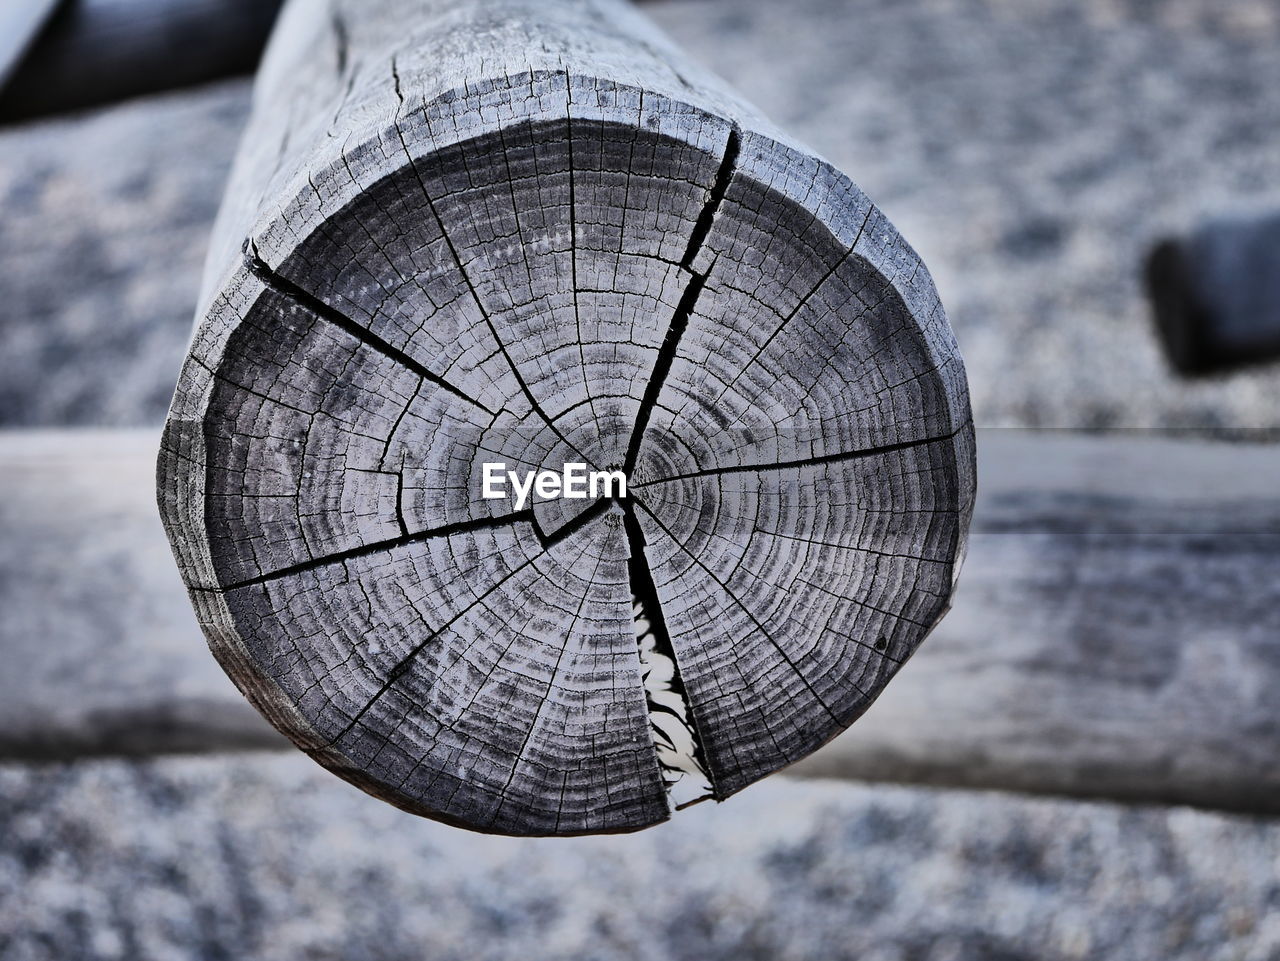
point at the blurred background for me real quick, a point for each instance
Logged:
(1092, 185)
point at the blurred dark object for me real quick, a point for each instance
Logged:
(1216, 295)
(20, 23)
(100, 51)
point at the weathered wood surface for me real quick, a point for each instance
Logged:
(1117, 634)
(63, 55)
(100, 51)
(1114, 634)
(100, 651)
(525, 232)
(983, 197)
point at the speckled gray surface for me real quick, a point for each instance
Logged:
(1031, 151)
(106, 220)
(270, 858)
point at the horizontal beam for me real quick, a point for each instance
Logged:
(1113, 634)
(63, 55)
(100, 51)
(102, 651)
(20, 23)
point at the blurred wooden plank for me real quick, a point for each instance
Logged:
(1116, 632)
(102, 653)
(100, 51)
(20, 24)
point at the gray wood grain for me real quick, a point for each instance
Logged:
(1113, 635)
(982, 197)
(532, 232)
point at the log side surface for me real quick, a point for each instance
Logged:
(530, 233)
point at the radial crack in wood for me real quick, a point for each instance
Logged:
(475, 260)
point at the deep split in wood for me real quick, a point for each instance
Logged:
(462, 233)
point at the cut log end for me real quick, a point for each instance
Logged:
(640, 289)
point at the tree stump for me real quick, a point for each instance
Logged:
(529, 233)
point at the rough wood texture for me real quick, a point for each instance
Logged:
(979, 163)
(525, 232)
(1098, 646)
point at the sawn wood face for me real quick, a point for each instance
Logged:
(540, 268)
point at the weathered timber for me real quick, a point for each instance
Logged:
(100, 51)
(1116, 636)
(105, 228)
(100, 649)
(63, 55)
(531, 233)
(1113, 635)
(107, 196)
